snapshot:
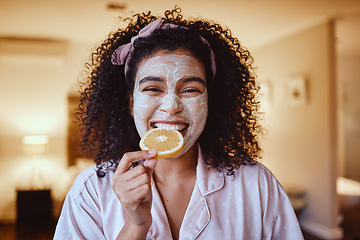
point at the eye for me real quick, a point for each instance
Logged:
(191, 90)
(152, 86)
(190, 87)
(152, 89)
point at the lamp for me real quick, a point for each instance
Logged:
(35, 144)
(34, 203)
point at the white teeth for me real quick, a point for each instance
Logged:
(172, 127)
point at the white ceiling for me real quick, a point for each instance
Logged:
(255, 22)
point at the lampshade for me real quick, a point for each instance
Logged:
(35, 144)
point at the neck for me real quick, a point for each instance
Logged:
(176, 169)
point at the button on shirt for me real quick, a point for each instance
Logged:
(250, 205)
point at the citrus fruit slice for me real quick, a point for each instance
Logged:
(167, 143)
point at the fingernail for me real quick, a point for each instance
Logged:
(152, 152)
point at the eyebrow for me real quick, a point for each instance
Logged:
(151, 79)
(194, 79)
(185, 80)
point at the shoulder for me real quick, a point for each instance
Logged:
(255, 170)
(257, 176)
(83, 179)
(88, 182)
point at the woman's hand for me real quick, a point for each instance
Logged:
(132, 186)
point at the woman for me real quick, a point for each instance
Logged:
(192, 76)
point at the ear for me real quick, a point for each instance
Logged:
(131, 103)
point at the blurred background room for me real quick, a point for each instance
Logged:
(307, 58)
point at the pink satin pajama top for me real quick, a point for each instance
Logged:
(251, 205)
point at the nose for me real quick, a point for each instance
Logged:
(171, 105)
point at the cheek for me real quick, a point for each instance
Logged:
(143, 107)
(140, 102)
(196, 111)
(197, 107)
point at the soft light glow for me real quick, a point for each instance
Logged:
(39, 172)
(346, 186)
(35, 144)
(35, 139)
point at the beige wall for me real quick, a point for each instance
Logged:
(300, 146)
(348, 62)
(33, 100)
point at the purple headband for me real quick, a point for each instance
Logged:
(122, 54)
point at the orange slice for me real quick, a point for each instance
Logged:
(167, 143)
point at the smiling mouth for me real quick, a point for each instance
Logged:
(181, 127)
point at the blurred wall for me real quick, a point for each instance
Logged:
(300, 146)
(33, 100)
(348, 62)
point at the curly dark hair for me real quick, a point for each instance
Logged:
(230, 137)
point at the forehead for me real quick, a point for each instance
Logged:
(177, 62)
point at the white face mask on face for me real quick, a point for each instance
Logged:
(170, 92)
